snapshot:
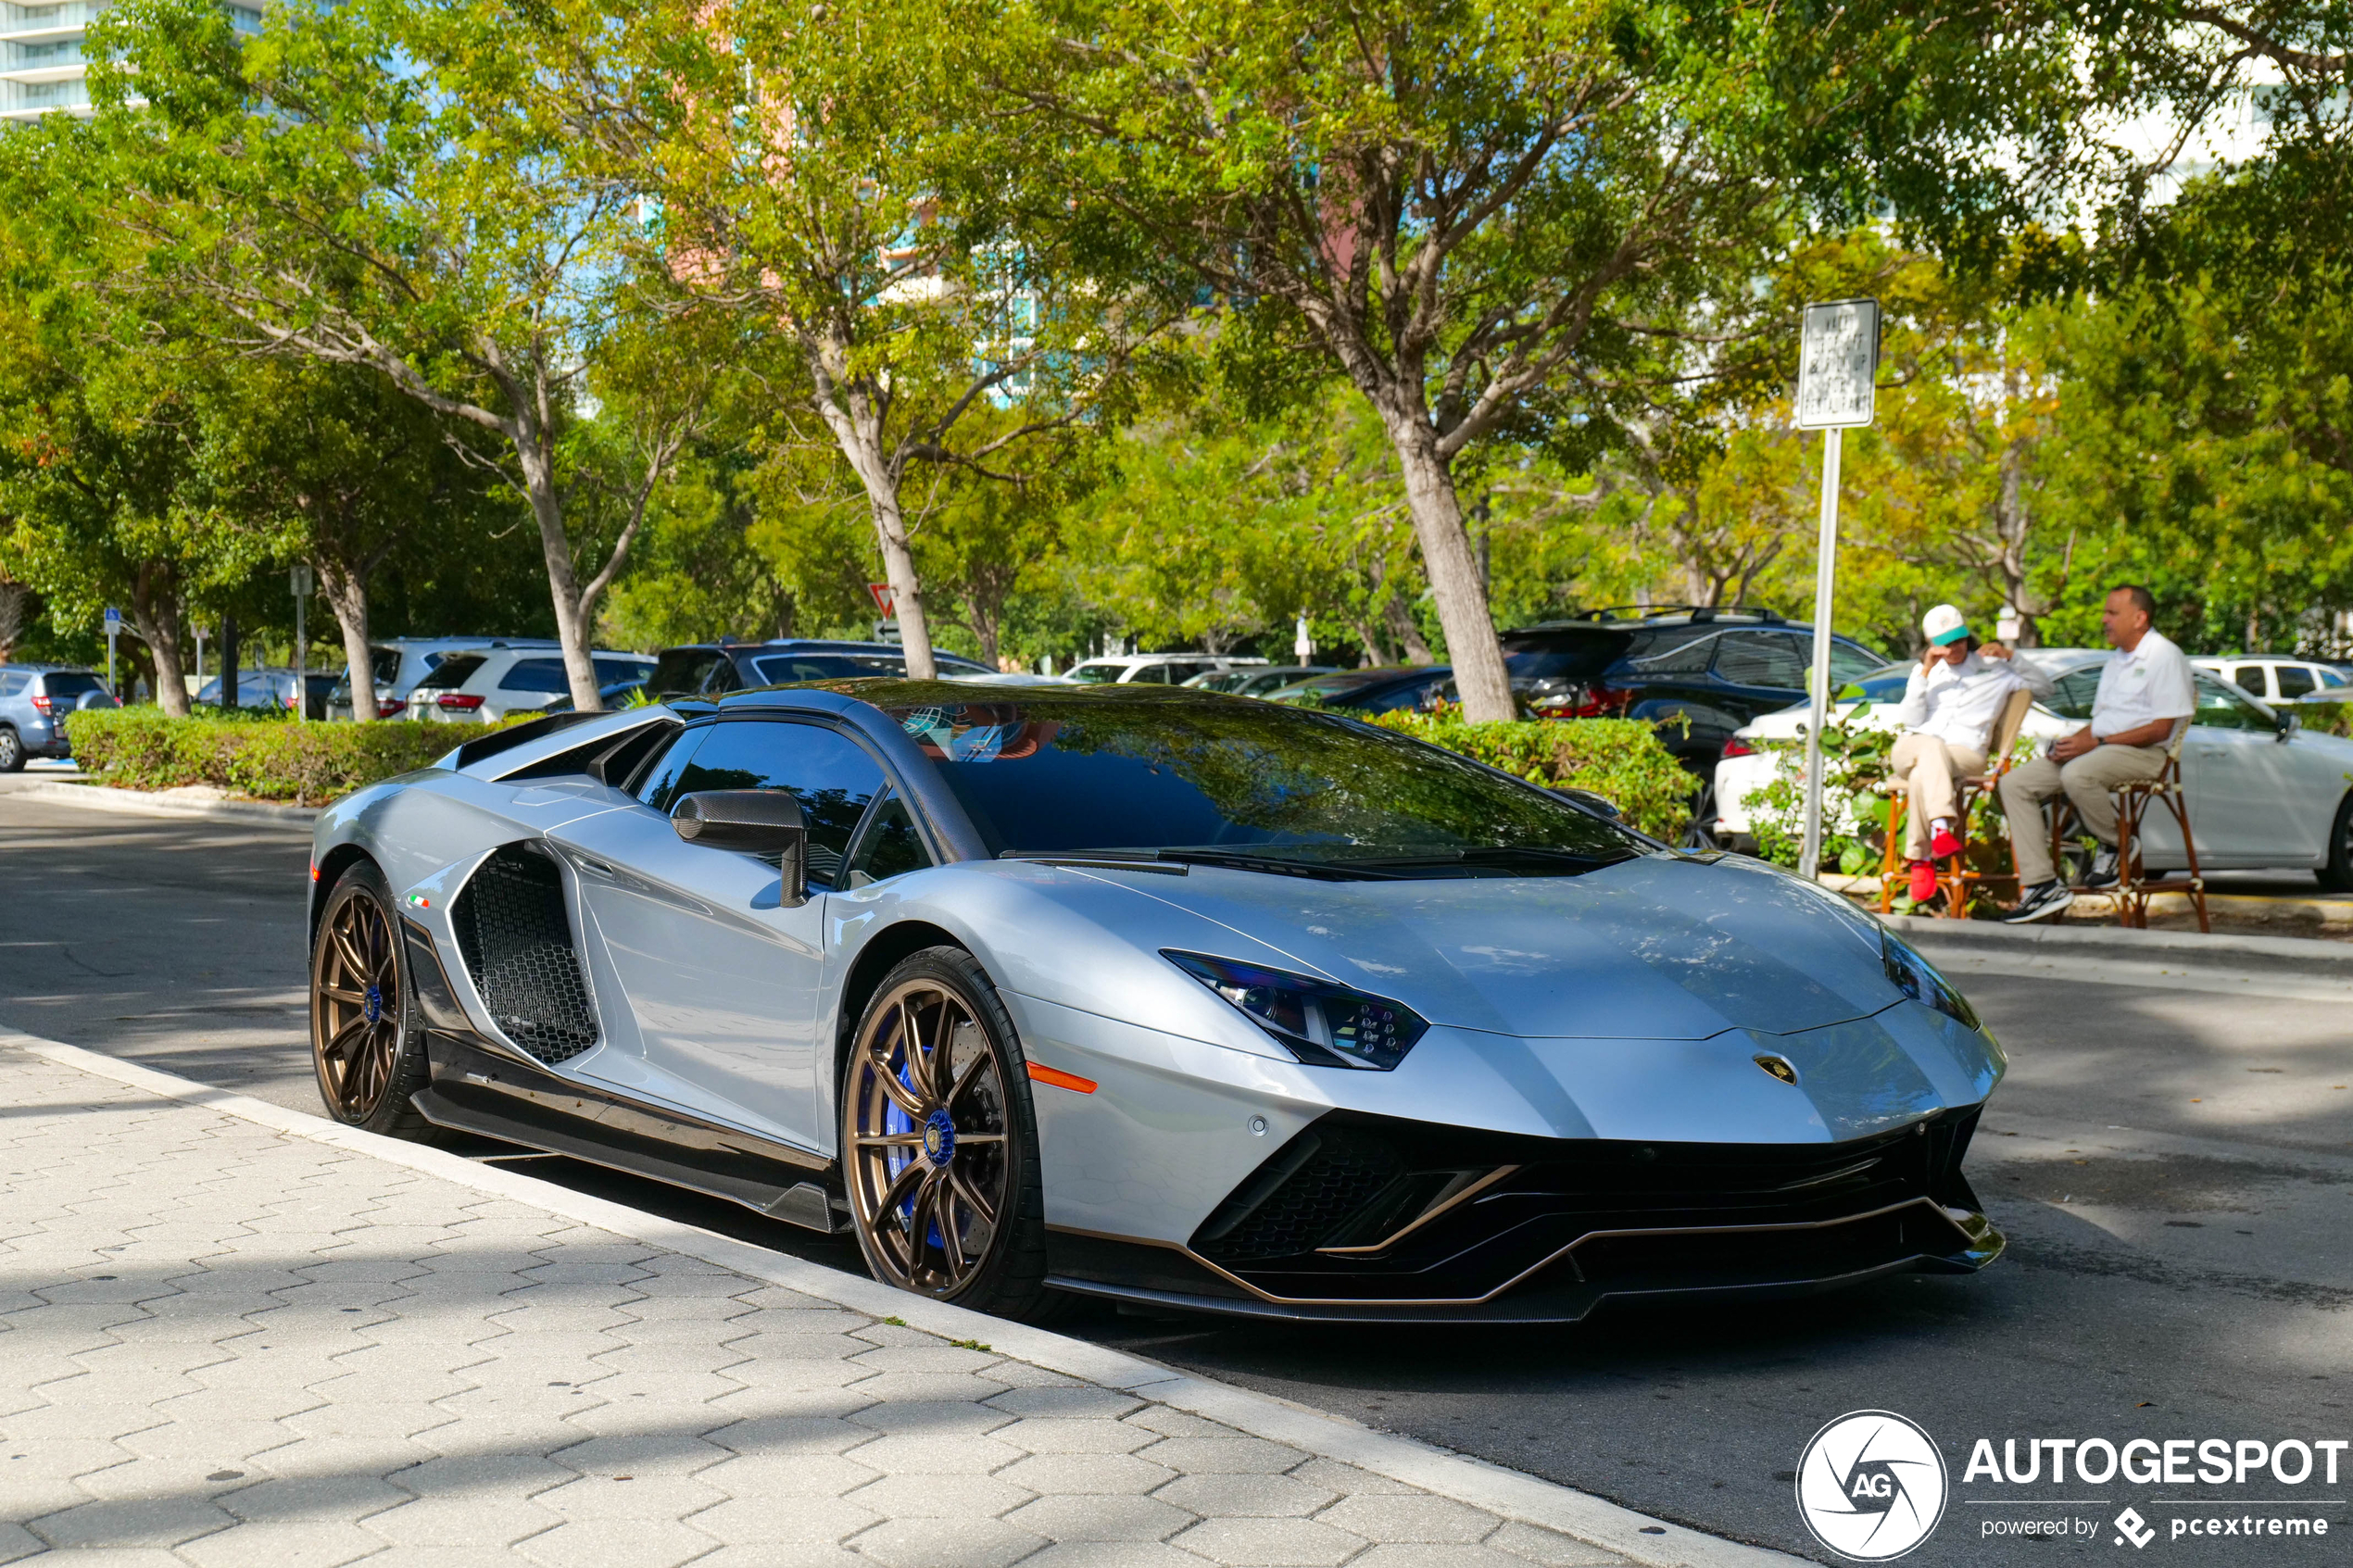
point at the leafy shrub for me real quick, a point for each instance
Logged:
(268, 758)
(2327, 718)
(1620, 759)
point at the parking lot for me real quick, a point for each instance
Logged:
(2170, 1166)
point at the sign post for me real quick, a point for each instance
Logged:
(887, 601)
(114, 630)
(1302, 644)
(301, 649)
(1837, 367)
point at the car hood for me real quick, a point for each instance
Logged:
(1663, 946)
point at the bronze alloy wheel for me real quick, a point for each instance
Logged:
(358, 1005)
(935, 1143)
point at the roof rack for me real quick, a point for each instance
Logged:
(1700, 614)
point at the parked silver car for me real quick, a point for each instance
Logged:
(35, 702)
(1159, 996)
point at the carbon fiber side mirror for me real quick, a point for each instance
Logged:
(766, 823)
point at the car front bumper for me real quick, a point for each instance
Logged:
(1364, 1219)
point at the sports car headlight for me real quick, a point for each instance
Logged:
(1917, 979)
(1321, 1024)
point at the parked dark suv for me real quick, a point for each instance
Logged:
(34, 700)
(1717, 669)
(710, 669)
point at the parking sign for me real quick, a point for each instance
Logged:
(1837, 363)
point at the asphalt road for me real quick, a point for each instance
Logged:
(2173, 1168)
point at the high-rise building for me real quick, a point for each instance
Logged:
(42, 70)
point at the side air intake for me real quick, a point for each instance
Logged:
(516, 939)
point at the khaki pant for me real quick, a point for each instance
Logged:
(1928, 768)
(2086, 781)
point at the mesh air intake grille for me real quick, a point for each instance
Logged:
(517, 943)
(1342, 1171)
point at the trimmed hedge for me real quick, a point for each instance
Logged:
(1620, 759)
(267, 759)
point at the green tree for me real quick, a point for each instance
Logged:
(1483, 219)
(374, 185)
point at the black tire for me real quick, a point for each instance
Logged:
(366, 1046)
(969, 1227)
(12, 753)
(2337, 875)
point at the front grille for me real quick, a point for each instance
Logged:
(516, 938)
(1334, 1215)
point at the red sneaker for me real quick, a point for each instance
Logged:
(1943, 845)
(1924, 882)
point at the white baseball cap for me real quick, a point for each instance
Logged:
(1944, 625)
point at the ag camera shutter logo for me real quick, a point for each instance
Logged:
(1872, 1485)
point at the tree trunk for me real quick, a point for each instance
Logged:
(1408, 635)
(858, 430)
(15, 600)
(347, 591)
(573, 622)
(154, 611)
(1452, 565)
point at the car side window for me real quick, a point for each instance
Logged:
(1763, 659)
(2249, 678)
(2295, 681)
(535, 675)
(2222, 707)
(12, 684)
(891, 845)
(830, 775)
(658, 785)
(1688, 656)
(1155, 674)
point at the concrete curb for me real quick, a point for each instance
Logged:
(1507, 1493)
(2306, 953)
(162, 803)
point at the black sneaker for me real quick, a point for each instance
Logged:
(2103, 871)
(2041, 902)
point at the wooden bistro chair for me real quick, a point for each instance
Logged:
(1958, 878)
(2134, 801)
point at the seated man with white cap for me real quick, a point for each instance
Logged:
(1950, 705)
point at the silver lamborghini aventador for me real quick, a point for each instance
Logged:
(1148, 994)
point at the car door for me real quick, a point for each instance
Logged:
(717, 975)
(2245, 801)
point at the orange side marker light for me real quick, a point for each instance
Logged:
(1061, 1080)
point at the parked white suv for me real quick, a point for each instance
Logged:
(483, 685)
(1153, 669)
(2272, 679)
(398, 663)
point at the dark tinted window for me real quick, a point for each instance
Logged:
(1106, 771)
(659, 785)
(830, 775)
(2250, 679)
(535, 675)
(890, 847)
(451, 672)
(1151, 675)
(1420, 691)
(783, 669)
(611, 670)
(2294, 681)
(1658, 653)
(384, 664)
(1574, 656)
(1763, 659)
(681, 672)
(70, 683)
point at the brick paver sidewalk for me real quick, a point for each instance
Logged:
(224, 1345)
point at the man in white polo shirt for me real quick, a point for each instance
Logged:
(1950, 703)
(2145, 691)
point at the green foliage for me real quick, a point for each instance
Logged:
(268, 758)
(2326, 718)
(1855, 802)
(1620, 759)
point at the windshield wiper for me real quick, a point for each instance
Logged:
(1277, 865)
(1501, 855)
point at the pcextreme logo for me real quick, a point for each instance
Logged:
(1872, 1485)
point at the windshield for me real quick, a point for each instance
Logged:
(1183, 776)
